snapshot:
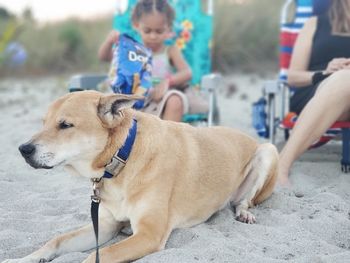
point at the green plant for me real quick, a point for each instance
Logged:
(72, 39)
(246, 35)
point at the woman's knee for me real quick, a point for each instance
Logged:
(342, 76)
(338, 82)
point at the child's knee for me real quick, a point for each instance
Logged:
(174, 103)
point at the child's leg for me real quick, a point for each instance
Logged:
(173, 108)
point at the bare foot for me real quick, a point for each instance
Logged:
(283, 181)
(283, 178)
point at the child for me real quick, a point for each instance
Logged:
(153, 20)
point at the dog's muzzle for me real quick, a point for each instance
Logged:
(28, 151)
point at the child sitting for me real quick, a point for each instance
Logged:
(153, 20)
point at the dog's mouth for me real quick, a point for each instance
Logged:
(29, 151)
(37, 165)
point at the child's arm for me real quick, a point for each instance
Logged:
(182, 76)
(105, 52)
(183, 71)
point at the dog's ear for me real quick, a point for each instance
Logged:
(111, 108)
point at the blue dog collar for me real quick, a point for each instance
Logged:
(121, 156)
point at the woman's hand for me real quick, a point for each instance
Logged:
(347, 64)
(159, 90)
(337, 64)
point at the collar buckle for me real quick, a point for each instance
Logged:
(120, 158)
(115, 166)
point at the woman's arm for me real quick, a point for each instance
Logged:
(298, 74)
(183, 71)
(105, 51)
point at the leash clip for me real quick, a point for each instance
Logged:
(96, 191)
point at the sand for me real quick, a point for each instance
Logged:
(309, 223)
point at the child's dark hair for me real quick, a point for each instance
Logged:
(149, 6)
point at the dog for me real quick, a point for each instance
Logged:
(175, 176)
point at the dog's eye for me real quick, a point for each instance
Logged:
(64, 125)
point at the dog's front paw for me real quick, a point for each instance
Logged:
(245, 216)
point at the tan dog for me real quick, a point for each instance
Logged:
(176, 175)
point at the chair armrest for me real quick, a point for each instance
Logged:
(85, 82)
(210, 82)
(274, 86)
(271, 87)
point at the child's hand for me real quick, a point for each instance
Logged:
(105, 52)
(159, 90)
(112, 37)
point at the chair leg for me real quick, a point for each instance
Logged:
(286, 134)
(271, 112)
(211, 108)
(216, 111)
(345, 162)
(209, 83)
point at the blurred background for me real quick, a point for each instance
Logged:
(41, 37)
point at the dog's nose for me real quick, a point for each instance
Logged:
(27, 149)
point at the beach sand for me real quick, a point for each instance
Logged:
(309, 223)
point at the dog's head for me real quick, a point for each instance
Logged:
(77, 128)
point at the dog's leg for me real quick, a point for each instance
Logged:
(79, 240)
(259, 182)
(151, 232)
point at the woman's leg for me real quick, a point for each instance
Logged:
(330, 103)
(173, 108)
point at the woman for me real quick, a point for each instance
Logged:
(320, 70)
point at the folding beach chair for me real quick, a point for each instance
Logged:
(193, 35)
(274, 90)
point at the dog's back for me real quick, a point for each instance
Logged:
(208, 163)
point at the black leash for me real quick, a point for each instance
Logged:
(95, 203)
